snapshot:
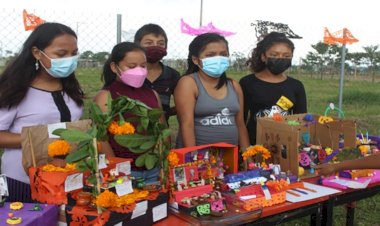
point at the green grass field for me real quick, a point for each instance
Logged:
(360, 102)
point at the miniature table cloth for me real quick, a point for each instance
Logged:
(47, 216)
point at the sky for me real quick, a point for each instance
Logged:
(306, 18)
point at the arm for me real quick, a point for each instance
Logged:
(239, 119)
(101, 100)
(10, 140)
(185, 99)
(245, 103)
(162, 119)
(368, 162)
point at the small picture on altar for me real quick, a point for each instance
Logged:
(3, 185)
(179, 175)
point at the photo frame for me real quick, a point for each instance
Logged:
(179, 175)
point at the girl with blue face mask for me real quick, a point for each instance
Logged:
(209, 105)
(37, 87)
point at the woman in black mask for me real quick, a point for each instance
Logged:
(268, 90)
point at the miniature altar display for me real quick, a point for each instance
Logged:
(98, 189)
(299, 142)
(196, 178)
(353, 178)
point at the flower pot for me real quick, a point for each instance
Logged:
(83, 198)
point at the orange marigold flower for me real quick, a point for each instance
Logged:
(58, 147)
(107, 199)
(364, 149)
(116, 129)
(52, 168)
(255, 150)
(173, 159)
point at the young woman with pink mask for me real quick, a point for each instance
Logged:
(124, 74)
(38, 87)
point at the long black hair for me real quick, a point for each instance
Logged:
(195, 49)
(118, 53)
(19, 73)
(254, 62)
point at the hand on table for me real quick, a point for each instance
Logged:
(327, 169)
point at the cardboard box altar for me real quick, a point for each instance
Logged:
(283, 138)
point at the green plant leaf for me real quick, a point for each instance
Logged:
(137, 150)
(82, 166)
(132, 140)
(150, 161)
(155, 114)
(144, 122)
(58, 132)
(79, 154)
(148, 145)
(92, 179)
(166, 133)
(75, 135)
(140, 161)
(93, 131)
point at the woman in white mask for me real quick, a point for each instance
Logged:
(38, 87)
(209, 105)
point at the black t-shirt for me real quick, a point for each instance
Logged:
(164, 85)
(264, 98)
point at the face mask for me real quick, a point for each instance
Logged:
(278, 65)
(61, 67)
(154, 53)
(215, 66)
(134, 77)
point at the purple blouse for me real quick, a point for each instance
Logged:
(37, 108)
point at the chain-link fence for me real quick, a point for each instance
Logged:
(99, 32)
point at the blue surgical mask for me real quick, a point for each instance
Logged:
(61, 67)
(215, 66)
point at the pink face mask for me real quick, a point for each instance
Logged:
(134, 77)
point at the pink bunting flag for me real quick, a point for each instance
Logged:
(209, 28)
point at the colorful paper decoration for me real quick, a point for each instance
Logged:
(31, 21)
(209, 28)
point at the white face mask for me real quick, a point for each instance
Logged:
(61, 67)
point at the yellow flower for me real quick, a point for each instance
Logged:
(116, 129)
(52, 168)
(257, 150)
(107, 199)
(173, 159)
(58, 147)
(364, 149)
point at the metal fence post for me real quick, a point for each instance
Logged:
(118, 28)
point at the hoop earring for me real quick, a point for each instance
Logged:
(37, 66)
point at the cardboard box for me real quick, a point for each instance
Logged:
(284, 139)
(49, 187)
(230, 154)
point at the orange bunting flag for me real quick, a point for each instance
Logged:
(31, 21)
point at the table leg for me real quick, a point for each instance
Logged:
(350, 214)
(327, 212)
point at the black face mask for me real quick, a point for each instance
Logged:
(278, 65)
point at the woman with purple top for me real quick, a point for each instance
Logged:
(38, 87)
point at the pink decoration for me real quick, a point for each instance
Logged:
(209, 28)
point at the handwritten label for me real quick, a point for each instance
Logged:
(52, 127)
(160, 212)
(124, 167)
(102, 161)
(124, 188)
(74, 182)
(140, 209)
